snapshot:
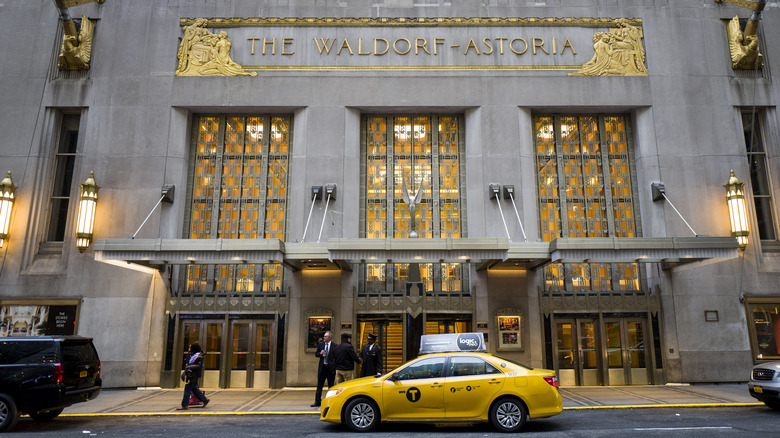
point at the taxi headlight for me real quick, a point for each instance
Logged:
(333, 392)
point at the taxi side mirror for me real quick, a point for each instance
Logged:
(394, 377)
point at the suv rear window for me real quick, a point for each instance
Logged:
(27, 352)
(78, 352)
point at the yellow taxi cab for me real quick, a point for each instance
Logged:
(453, 381)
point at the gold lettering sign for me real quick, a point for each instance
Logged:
(583, 46)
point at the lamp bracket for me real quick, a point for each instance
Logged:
(330, 190)
(494, 190)
(658, 190)
(509, 191)
(167, 193)
(316, 192)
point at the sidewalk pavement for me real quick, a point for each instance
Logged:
(291, 401)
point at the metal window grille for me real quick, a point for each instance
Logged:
(585, 189)
(416, 152)
(239, 191)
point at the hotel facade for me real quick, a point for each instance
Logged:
(248, 175)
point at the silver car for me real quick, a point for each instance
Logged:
(765, 383)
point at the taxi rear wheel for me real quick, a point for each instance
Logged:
(508, 414)
(361, 415)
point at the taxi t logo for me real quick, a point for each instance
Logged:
(413, 394)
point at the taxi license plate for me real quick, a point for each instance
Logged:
(83, 373)
(758, 389)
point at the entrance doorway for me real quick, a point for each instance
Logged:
(601, 351)
(390, 334)
(250, 354)
(208, 333)
(238, 351)
(626, 356)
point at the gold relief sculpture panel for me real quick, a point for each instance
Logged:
(618, 52)
(202, 53)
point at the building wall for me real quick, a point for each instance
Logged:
(136, 137)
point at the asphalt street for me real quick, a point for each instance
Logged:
(689, 422)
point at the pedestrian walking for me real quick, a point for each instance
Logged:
(190, 376)
(326, 370)
(345, 359)
(371, 356)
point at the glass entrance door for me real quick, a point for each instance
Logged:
(577, 352)
(589, 353)
(209, 335)
(250, 355)
(626, 352)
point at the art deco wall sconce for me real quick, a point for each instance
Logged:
(735, 196)
(86, 219)
(7, 189)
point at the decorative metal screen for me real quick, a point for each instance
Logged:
(423, 155)
(239, 191)
(585, 190)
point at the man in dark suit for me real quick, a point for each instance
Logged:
(326, 368)
(371, 354)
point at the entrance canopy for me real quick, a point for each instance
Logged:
(487, 253)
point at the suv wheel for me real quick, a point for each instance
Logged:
(46, 415)
(9, 414)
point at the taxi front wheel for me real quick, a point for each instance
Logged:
(508, 414)
(361, 415)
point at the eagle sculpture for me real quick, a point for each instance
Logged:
(743, 48)
(77, 48)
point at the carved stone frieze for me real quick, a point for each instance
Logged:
(216, 304)
(414, 305)
(415, 21)
(599, 302)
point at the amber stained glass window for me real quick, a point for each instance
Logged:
(239, 191)
(585, 190)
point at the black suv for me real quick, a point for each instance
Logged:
(41, 375)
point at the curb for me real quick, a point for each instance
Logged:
(669, 405)
(569, 408)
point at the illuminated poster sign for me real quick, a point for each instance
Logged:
(37, 320)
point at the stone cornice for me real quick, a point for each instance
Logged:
(415, 21)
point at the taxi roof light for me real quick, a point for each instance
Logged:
(452, 342)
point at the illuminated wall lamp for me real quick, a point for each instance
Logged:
(7, 189)
(735, 196)
(86, 220)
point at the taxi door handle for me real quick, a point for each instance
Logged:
(494, 382)
(436, 385)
